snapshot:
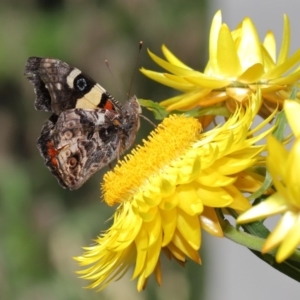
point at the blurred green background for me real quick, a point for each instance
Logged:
(42, 225)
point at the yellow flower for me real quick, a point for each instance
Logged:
(238, 64)
(167, 190)
(284, 168)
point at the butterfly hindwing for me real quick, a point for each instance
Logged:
(78, 143)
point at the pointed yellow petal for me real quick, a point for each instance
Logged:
(208, 82)
(210, 222)
(290, 242)
(213, 44)
(269, 63)
(280, 231)
(189, 199)
(180, 242)
(249, 181)
(285, 45)
(192, 99)
(227, 57)
(239, 203)
(161, 78)
(252, 74)
(277, 153)
(176, 252)
(214, 196)
(292, 164)
(173, 59)
(270, 44)
(210, 177)
(292, 111)
(189, 227)
(275, 204)
(173, 100)
(141, 243)
(249, 49)
(169, 218)
(172, 68)
(153, 255)
(284, 67)
(288, 79)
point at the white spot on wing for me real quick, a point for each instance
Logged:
(70, 78)
(100, 119)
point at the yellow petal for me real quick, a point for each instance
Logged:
(292, 111)
(285, 44)
(280, 231)
(281, 69)
(172, 68)
(153, 255)
(252, 74)
(207, 81)
(180, 242)
(269, 63)
(288, 79)
(276, 162)
(214, 196)
(212, 67)
(175, 252)
(169, 218)
(189, 199)
(292, 166)
(249, 181)
(159, 77)
(141, 243)
(270, 45)
(275, 204)
(227, 57)
(189, 227)
(239, 94)
(173, 100)
(191, 99)
(249, 49)
(173, 59)
(239, 203)
(210, 177)
(290, 242)
(210, 222)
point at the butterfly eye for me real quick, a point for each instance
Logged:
(81, 84)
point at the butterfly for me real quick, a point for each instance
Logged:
(88, 127)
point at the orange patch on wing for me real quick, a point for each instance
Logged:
(109, 105)
(52, 152)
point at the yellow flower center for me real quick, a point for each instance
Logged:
(168, 141)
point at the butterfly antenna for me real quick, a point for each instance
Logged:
(135, 67)
(112, 75)
(148, 120)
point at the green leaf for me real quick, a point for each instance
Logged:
(159, 112)
(281, 124)
(254, 243)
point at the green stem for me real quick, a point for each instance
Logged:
(290, 267)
